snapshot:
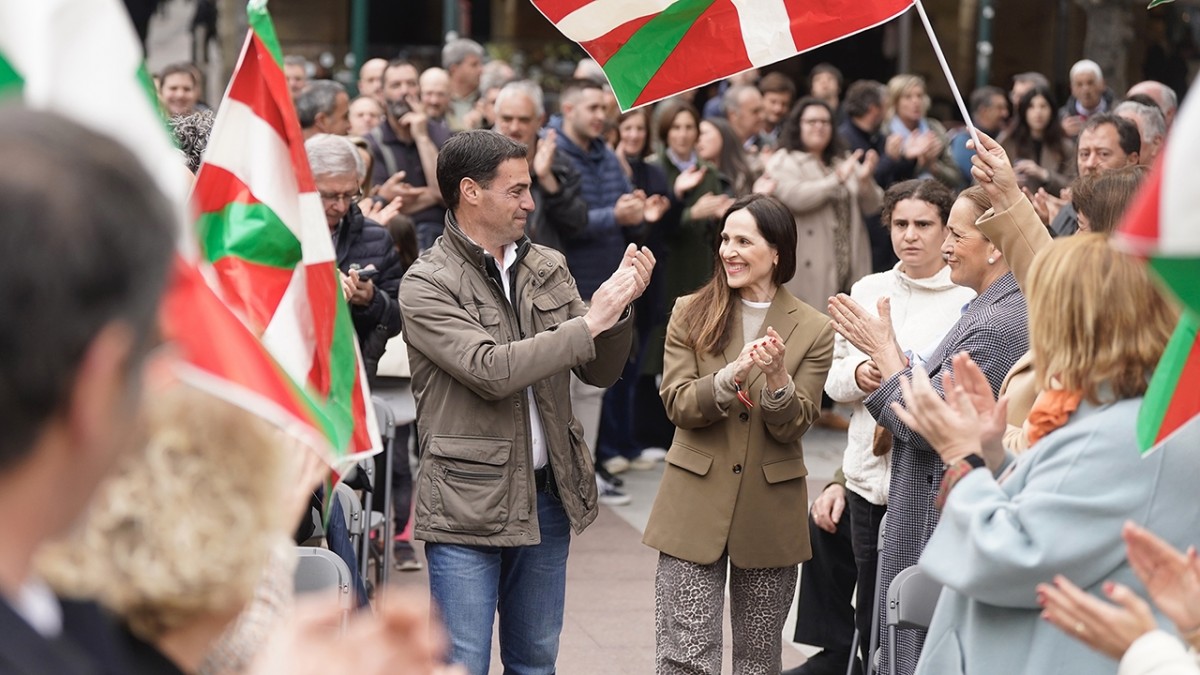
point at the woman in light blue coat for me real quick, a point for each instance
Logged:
(1098, 327)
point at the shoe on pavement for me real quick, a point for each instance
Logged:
(608, 477)
(406, 559)
(822, 663)
(609, 495)
(654, 454)
(642, 464)
(616, 465)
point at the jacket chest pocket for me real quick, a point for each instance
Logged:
(554, 305)
(488, 317)
(469, 482)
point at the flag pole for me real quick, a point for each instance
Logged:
(937, 50)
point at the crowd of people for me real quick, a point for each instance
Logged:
(585, 293)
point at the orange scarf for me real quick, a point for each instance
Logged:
(1050, 411)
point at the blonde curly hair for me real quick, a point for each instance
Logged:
(183, 529)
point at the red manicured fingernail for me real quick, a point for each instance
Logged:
(1109, 587)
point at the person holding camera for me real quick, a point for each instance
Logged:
(368, 261)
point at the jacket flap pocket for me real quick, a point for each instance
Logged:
(689, 459)
(554, 298)
(785, 469)
(492, 451)
(488, 315)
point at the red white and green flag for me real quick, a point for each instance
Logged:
(262, 229)
(652, 49)
(42, 45)
(1163, 225)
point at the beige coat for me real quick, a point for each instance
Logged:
(810, 190)
(1019, 234)
(735, 478)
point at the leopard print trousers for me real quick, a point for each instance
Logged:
(689, 601)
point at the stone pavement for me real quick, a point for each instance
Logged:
(609, 624)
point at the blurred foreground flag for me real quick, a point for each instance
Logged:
(262, 228)
(1163, 226)
(652, 49)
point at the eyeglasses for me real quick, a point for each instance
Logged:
(348, 197)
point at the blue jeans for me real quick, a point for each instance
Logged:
(526, 583)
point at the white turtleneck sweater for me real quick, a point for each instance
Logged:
(923, 310)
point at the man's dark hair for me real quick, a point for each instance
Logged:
(320, 96)
(777, 83)
(475, 154)
(85, 241)
(572, 89)
(982, 97)
(861, 96)
(825, 68)
(1127, 132)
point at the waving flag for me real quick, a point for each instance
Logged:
(1163, 225)
(262, 228)
(42, 45)
(652, 49)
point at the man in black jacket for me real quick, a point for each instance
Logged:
(366, 257)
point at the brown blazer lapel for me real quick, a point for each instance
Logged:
(782, 317)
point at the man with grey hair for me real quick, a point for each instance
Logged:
(463, 60)
(1152, 127)
(1161, 94)
(366, 257)
(324, 108)
(1089, 96)
(295, 69)
(559, 211)
(746, 113)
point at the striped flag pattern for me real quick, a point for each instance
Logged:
(262, 228)
(42, 45)
(1163, 225)
(652, 49)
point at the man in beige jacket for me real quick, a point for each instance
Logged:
(495, 326)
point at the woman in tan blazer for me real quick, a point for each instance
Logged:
(744, 366)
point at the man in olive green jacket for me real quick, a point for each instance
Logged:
(494, 326)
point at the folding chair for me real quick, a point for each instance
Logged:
(872, 665)
(319, 569)
(379, 522)
(353, 510)
(911, 600)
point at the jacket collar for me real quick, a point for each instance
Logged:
(1000, 289)
(348, 229)
(462, 246)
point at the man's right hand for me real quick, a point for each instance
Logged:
(827, 509)
(625, 285)
(629, 209)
